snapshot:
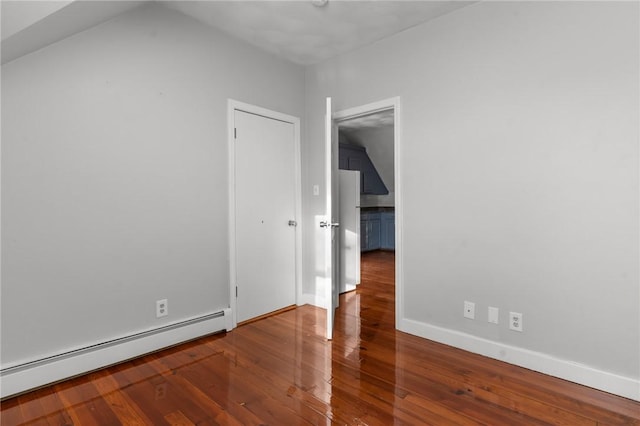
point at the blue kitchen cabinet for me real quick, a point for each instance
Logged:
(387, 231)
(370, 227)
(377, 231)
(363, 234)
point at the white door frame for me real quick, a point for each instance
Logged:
(232, 106)
(391, 103)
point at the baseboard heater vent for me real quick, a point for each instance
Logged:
(32, 374)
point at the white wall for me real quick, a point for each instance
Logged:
(520, 175)
(114, 177)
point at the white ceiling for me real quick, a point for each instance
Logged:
(17, 16)
(31, 25)
(295, 30)
(306, 34)
(374, 120)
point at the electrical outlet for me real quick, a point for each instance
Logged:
(515, 321)
(493, 315)
(162, 308)
(469, 310)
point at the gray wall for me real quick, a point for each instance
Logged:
(114, 177)
(519, 170)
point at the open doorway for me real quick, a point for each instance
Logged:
(368, 139)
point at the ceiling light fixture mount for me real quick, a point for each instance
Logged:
(319, 3)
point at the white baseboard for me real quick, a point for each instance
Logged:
(21, 378)
(537, 361)
(312, 299)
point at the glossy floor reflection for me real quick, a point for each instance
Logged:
(281, 371)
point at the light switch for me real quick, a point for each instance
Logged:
(316, 189)
(493, 315)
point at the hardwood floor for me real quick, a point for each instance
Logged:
(281, 371)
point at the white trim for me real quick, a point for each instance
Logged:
(399, 208)
(568, 370)
(19, 379)
(330, 244)
(232, 106)
(391, 103)
(312, 299)
(298, 189)
(231, 215)
(367, 109)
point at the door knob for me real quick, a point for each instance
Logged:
(325, 224)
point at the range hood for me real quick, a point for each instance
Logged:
(354, 157)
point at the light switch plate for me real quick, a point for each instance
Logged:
(493, 315)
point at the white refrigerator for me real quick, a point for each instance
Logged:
(349, 229)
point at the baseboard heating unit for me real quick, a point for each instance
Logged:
(24, 376)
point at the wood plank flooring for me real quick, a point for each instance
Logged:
(281, 371)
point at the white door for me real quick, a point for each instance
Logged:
(332, 260)
(265, 214)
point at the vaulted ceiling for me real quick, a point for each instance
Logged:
(301, 31)
(305, 33)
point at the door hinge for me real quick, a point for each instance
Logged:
(235, 133)
(236, 291)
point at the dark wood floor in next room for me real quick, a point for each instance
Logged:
(281, 371)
